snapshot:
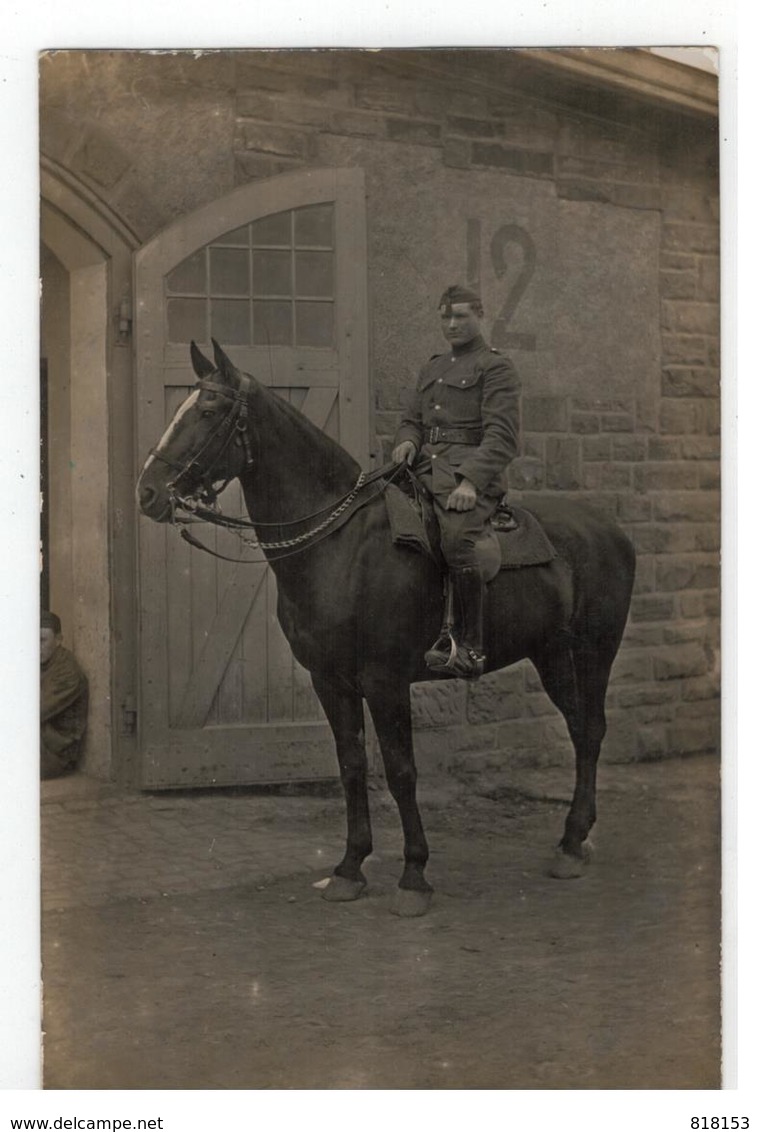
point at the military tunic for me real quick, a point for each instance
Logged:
(63, 712)
(474, 389)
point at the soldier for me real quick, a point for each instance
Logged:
(63, 702)
(460, 432)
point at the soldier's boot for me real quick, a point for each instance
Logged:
(461, 653)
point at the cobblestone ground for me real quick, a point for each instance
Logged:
(185, 945)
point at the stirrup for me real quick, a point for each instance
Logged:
(458, 660)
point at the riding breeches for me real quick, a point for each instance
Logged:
(460, 530)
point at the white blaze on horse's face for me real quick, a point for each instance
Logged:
(173, 425)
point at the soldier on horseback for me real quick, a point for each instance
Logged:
(460, 432)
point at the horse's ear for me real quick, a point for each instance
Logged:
(200, 363)
(224, 365)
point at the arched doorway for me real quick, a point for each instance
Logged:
(86, 375)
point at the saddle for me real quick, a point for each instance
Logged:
(514, 537)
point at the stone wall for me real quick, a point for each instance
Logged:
(590, 222)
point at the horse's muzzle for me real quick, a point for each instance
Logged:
(154, 504)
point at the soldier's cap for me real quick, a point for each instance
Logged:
(50, 621)
(457, 293)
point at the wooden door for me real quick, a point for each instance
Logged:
(276, 272)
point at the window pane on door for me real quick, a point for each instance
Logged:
(186, 320)
(314, 275)
(229, 271)
(313, 226)
(272, 231)
(189, 275)
(314, 324)
(272, 324)
(230, 321)
(272, 273)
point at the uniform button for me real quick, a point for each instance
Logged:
(434, 455)
(437, 406)
(440, 381)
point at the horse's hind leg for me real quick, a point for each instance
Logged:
(344, 709)
(575, 676)
(390, 705)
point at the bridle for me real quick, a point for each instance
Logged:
(233, 426)
(201, 505)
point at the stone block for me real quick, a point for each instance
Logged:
(273, 139)
(680, 317)
(611, 477)
(679, 284)
(687, 572)
(473, 127)
(678, 261)
(617, 422)
(354, 122)
(712, 422)
(664, 448)
(681, 417)
(707, 536)
(487, 702)
(395, 97)
(532, 734)
(701, 688)
(652, 607)
(649, 695)
(528, 162)
(685, 237)
(534, 445)
(526, 474)
(562, 463)
(544, 414)
(684, 349)
(629, 448)
(675, 662)
(604, 405)
(631, 667)
(596, 448)
(604, 502)
(685, 632)
(636, 196)
(650, 539)
(709, 278)
(701, 709)
(650, 743)
(634, 509)
(665, 477)
(709, 476)
(456, 153)
(274, 109)
(684, 506)
(644, 574)
(701, 448)
(691, 605)
(700, 737)
(585, 424)
(438, 705)
(414, 131)
(689, 381)
(712, 604)
(643, 636)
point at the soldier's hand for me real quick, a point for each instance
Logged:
(462, 498)
(405, 452)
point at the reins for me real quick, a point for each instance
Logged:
(200, 507)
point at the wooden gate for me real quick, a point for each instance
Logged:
(276, 272)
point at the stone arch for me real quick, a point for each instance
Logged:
(87, 278)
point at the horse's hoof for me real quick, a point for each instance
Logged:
(409, 902)
(341, 889)
(565, 866)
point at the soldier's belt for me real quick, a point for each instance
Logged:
(438, 435)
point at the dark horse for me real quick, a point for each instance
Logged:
(359, 611)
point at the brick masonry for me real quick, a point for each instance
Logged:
(650, 460)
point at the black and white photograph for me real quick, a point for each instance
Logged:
(381, 441)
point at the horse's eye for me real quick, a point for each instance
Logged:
(209, 413)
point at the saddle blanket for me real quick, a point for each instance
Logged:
(526, 545)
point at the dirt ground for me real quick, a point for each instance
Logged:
(514, 980)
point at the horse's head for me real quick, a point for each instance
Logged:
(206, 443)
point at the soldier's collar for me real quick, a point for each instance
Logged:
(468, 347)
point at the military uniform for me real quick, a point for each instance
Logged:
(463, 418)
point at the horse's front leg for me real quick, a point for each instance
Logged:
(390, 705)
(345, 712)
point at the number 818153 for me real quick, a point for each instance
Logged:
(719, 1122)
